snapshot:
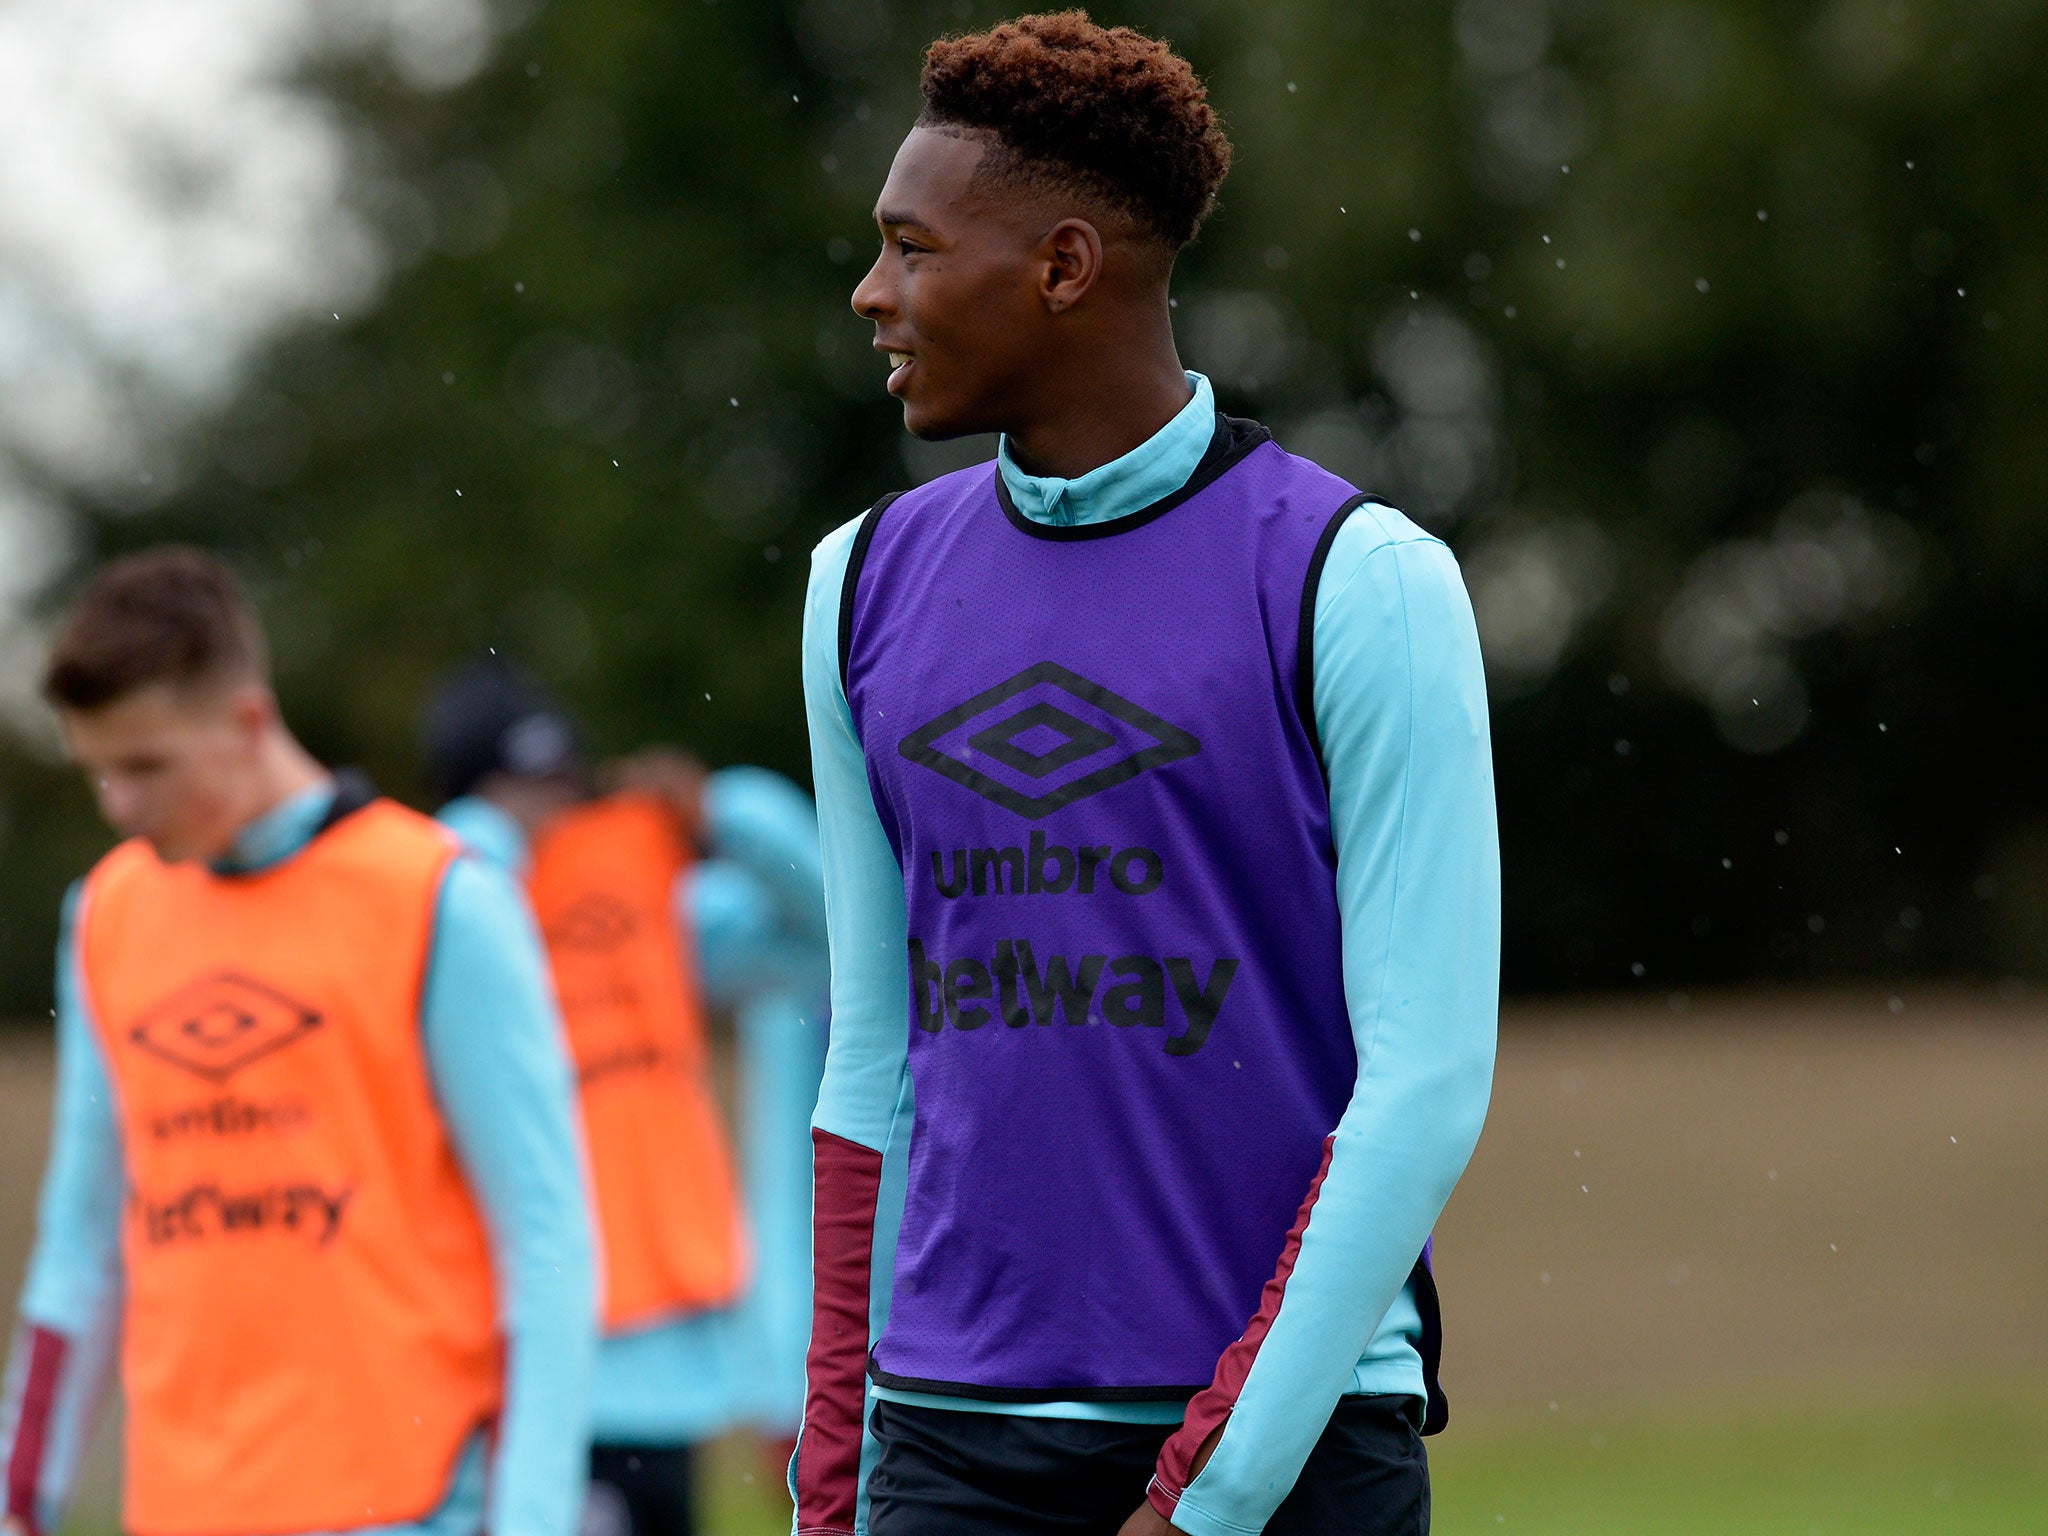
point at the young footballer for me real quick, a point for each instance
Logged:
(315, 1167)
(706, 1253)
(1161, 875)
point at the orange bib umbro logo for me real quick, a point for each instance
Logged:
(218, 1025)
(593, 923)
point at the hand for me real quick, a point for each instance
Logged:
(671, 775)
(1148, 1522)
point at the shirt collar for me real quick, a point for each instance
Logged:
(1150, 472)
(278, 833)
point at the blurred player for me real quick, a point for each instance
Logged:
(706, 1305)
(1158, 826)
(314, 1166)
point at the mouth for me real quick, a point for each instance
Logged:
(899, 368)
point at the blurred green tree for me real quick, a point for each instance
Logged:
(1709, 332)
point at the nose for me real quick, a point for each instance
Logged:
(120, 806)
(873, 296)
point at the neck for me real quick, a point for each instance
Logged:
(1103, 398)
(284, 769)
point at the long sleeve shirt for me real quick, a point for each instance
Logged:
(755, 911)
(1400, 706)
(501, 1080)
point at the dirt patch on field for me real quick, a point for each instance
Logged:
(1752, 1195)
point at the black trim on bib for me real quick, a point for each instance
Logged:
(1305, 648)
(855, 559)
(352, 792)
(1233, 439)
(965, 1389)
(1436, 1408)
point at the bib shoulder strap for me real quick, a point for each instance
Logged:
(855, 559)
(1305, 651)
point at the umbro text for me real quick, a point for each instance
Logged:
(1043, 868)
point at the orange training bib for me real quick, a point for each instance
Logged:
(603, 884)
(309, 1337)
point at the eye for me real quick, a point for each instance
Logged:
(908, 247)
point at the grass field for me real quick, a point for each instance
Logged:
(1969, 1466)
(1736, 1267)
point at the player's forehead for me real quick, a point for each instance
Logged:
(146, 719)
(931, 180)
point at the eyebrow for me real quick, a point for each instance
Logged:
(896, 216)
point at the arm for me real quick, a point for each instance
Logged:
(766, 825)
(502, 1079)
(65, 1341)
(865, 1073)
(758, 912)
(782, 1058)
(757, 907)
(1401, 707)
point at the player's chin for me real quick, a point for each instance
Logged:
(936, 420)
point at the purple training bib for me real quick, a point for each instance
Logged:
(1091, 751)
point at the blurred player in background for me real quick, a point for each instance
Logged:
(1153, 776)
(706, 1306)
(314, 1167)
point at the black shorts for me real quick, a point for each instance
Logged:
(640, 1490)
(945, 1472)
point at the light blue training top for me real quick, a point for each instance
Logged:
(493, 1044)
(1399, 696)
(756, 911)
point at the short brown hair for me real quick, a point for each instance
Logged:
(167, 615)
(1107, 109)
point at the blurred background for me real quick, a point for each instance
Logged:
(1711, 334)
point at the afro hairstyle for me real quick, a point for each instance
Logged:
(1107, 110)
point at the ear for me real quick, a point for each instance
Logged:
(1072, 256)
(254, 710)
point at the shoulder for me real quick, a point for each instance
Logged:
(829, 561)
(126, 860)
(831, 551)
(1377, 546)
(480, 903)
(1375, 526)
(486, 831)
(389, 841)
(748, 791)
(129, 879)
(956, 491)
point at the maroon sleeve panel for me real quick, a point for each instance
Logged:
(1211, 1406)
(847, 1181)
(28, 1429)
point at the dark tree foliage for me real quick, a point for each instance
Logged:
(1711, 336)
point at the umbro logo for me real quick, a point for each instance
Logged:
(218, 1025)
(594, 923)
(1044, 739)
